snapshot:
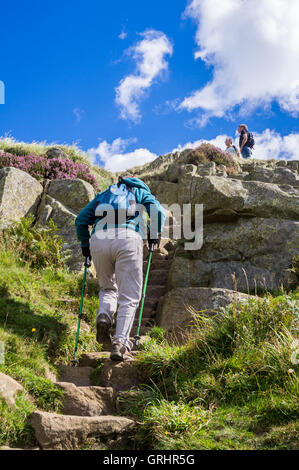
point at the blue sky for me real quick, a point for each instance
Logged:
(178, 64)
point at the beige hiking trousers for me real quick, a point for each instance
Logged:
(118, 258)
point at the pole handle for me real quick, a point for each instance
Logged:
(87, 262)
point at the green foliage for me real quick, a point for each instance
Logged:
(175, 418)
(43, 307)
(47, 395)
(38, 320)
(26, 362)
(10, 145)
(95, 376)
(295, 267)
(14, 426)
(209, 153)
(36, 246)
(158, 334)
(166, 420)
(233, 386)
(237, 370)
(73, 152)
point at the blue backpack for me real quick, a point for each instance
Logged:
(250, 140)
(119, 198)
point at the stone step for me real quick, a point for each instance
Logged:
(86, 401)
(79, 376)
(149, 303)
(144, 324)
(144, 337)
(158, 277)
(143, 330)
(63, 432)
(119, 376)
(27, 448)
(155, 292)
(165, 245)
(154, 273)
(147, 312)
(157, 255)
(92, 359)
(9, 388)
(144, 318)
(158, 264)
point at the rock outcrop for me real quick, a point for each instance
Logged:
(250, 230)
(180, 304)
(250, 255)
(86, 401)
(55, 152)
(62, 201)
(250, 243)
(19, 195)
(9, 389)
(120, 376)
(230, 197)
(67, 432)
(250, 213)
(250, 221)
(89, 411)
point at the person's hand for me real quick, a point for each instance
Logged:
(86, 252)
(152, 242)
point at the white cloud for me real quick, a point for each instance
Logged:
(218, 142)
(167, 107)
(149, 54)
(122, 35)
(253, 47)
(115, 158)
(268, 144)
(78, 113)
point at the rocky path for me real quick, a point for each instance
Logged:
(157, 284)
(90, 418)
(90, 412)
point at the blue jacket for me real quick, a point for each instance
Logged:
(143, 196)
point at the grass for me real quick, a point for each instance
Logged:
(73, 152)
(234, 385)
(36, 246)
(39, 305)
(14, 428)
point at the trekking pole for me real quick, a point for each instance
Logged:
(137, 336)
(87, 264)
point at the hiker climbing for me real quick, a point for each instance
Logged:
(116, 247)
(246, 141)
(231, 148)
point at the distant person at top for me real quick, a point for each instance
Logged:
(246, 142)
(231, 148)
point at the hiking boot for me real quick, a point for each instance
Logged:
(118, 352)
(103, 329)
